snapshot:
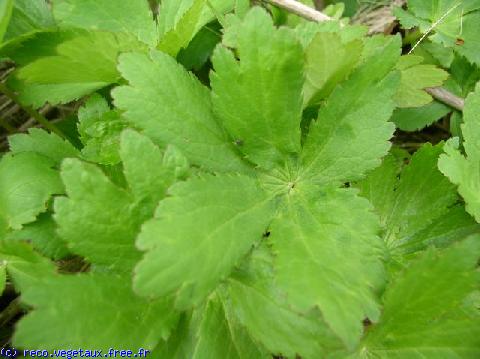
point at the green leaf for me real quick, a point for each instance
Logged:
(61, 67)
(175, 110)
(416, 118)
(328, 62)
(328, 155)
(28, 16)
(100, 128)
(287, 332)
(312, 238)
(3, 277)
(47, 144)
(414, 79)
(449, 20)
(42, 234)
(25, 267)
(421, 316)
(6, 8)
(110, 216)
(215, 209)
(127, 16)
(208, 333)
(462, 170)
(27, 181)
(259, 98)
(91, 311)
(411, 204)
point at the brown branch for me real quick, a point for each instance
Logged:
(446, 97)
(301, 10)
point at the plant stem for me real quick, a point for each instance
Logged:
(446, 97)
(34, 114)
(301, 10)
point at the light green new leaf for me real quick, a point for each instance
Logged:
(259, 98)
(112, 316)
(198, 236)
(24, 266)
(422, 317)
(61, 67)
(27, 181)
(27, 17)
(127, 16)
(328, 255)
(172, 107)
(6, 8)
(414, 79)
(47, 144)
(110, 216)
(464, 171)
(352, 130)
(328, 61)
(286, 333)
(100, 128)
(408, 205)
(208, 333)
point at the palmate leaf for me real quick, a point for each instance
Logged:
(214, 221)
(423, 315)
(204, 220)
(98, 299)
(111, 215)
(462, 170)
(126, 16)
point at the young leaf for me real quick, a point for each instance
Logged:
(67, 66)
(415, 77)
(98, 299)
(311, 238)
(462, 170)
(127, 16)
(421, 316)
(327, 156)
(6, 8)
(100, 128)
(260, 108)
(213, 210)
(175, 110)
(27, 181)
